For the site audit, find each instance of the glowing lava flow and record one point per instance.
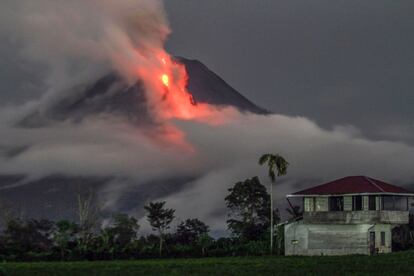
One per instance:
(166, 81)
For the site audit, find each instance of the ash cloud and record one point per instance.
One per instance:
(70, 42)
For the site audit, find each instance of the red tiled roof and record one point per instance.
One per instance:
(353, 185)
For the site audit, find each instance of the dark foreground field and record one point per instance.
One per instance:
(391, 264)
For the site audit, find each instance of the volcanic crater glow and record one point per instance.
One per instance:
(166, 82)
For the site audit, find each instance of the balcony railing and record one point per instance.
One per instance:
(356, 217)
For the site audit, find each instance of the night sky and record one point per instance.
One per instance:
(336, 62)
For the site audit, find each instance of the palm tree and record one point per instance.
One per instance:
(274, 162)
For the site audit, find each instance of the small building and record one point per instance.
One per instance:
(351, 215)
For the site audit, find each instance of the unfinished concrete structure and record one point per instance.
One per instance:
(352, 215)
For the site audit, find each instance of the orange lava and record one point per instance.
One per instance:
(166, 83)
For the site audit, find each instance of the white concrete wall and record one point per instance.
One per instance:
(365, 203)
(324, 239)
(357, 217)
(347, 203)
(377, 203)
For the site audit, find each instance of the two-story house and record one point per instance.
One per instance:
(351, 215)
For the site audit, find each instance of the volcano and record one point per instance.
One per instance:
(54, 196)
(111, 94)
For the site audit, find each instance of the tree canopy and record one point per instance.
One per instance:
(159, 218)
(248, 202)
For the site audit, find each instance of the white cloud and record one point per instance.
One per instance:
(224, 154)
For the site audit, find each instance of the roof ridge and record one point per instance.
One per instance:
(373, 183)
(354, 185)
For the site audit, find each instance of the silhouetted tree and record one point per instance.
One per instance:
(64, 234)
(402, 237)
(88, 212)
(204, 241)
(274, 162)
(7, 212)
(190, 230)
(248, 202)
(124, 230)
(31, 236)
(106, 243)
(160, 219)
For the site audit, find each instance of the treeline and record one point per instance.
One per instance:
(248, 204)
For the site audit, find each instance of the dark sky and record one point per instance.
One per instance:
(336, 62)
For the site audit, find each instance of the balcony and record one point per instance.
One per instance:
(356, 217)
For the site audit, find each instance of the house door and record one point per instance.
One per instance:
(372, 243)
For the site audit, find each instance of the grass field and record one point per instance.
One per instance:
(390, 264)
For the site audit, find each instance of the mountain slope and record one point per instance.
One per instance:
(111, 94)
(208, 87)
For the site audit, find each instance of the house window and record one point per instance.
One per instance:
(321, 204)
(394, 203)
(357, 203)
(372, 205)
(336, 203)
(309, 203)
(387, 202)
(382, 238)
